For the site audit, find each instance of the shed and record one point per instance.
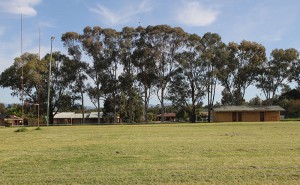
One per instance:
(64, 118)
(168, 117)
(77, 118)
(71, 118)
(246, 113)
(10, 119)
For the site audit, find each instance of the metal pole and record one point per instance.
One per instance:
(49, 83)
(22, 75)
(39, 80)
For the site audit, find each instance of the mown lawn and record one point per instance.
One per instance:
(223, 153)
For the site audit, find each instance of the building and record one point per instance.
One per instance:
(246, 113)
(70, 118)
(11, 120)
(168, 117)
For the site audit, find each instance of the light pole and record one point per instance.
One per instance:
(49, 83)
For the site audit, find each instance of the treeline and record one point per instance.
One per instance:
(127, 68)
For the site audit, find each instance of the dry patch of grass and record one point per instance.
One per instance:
(223, 153)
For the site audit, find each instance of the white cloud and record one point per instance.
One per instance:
(122, 16)
(195, 14)
(25, 7)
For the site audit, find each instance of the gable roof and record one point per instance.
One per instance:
(12, 117)
(79, 115)
(248, 108)
(73, 115)
(167, 115)
(64, 115)
(95, 115)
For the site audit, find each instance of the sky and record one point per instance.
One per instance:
(272, 23)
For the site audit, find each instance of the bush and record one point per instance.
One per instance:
(6, 124)
(38, 128)
(23, 129)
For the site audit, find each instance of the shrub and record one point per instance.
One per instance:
(23, 129)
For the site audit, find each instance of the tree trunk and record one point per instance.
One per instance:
(82, 107)
(162, 106)
(114, 93)
(193, 113)
(145, 105)
(98, 110)
(50, 115)
(130, 95)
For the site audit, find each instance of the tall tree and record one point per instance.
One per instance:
(93, 44)
(167, 42)
(62, 97)
(2, 108)
(36, 70)
(144, 61)
(78, 68)
(213, 55)
(276, 71)
(189, 84)
(10, 78)
(127, 48)
(111, 53)
(240, 70)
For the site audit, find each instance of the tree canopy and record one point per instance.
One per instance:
(126, 68)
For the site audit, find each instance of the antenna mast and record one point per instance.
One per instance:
(39, 80)
(22, 75)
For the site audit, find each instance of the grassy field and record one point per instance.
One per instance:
(223, 153)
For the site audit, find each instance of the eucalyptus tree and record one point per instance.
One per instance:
(11, 77)
(93, 44)
(189, 83)
(110, 83)
(34, 72)
(213, 55)
(166, 43)
(127, 78)
(276, 71)
(144, 61)
(240, 69)
(77, 67)
(62, 97)
(295, 73)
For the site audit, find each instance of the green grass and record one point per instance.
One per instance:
(223, 153)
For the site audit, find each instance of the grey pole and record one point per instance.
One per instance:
(49, 83)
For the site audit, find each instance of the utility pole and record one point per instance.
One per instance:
(22, 75)
(49, 83)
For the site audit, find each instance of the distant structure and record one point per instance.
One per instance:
(246, 114)
(72, 118)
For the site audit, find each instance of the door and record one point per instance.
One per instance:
(234, 118)
(262, 116)
(240, 116)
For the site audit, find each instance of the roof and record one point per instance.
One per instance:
(73, 115)
(247, 109)
(95, 115)
(12, 117)
(64, 115)
(79, 115)
(167, 115)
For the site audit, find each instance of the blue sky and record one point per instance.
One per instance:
(273, 23)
